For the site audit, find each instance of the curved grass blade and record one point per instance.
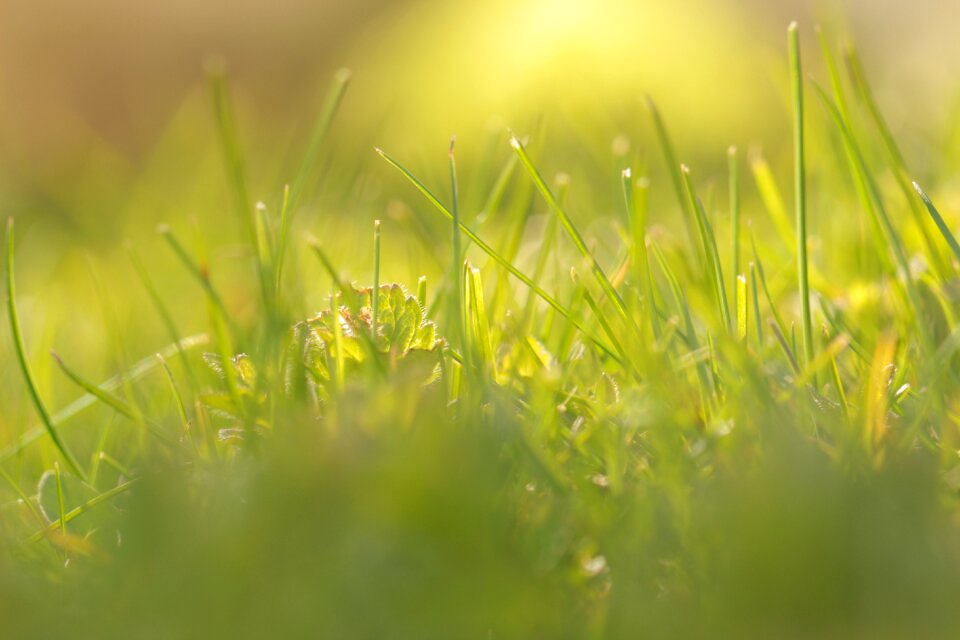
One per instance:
(109, 399)
(24, 365)
(135, 372)
(938, 219)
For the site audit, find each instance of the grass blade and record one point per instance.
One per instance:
(574, 234)
(25, 366)
(78, 511)
(938, 219)
(673, 166)
(800, 191)
(135, 372)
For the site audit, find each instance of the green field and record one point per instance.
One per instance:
(583, 377)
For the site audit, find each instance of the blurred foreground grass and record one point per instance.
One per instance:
(617, 405)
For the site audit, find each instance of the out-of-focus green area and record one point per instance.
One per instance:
(555, 494)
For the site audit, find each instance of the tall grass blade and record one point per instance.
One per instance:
(938, 219)
(25, 371)
(574, 234)
(800, 190)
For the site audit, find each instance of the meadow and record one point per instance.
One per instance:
(560, 382)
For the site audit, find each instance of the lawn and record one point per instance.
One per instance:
(538, 385)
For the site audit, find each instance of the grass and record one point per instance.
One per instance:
(649, 450)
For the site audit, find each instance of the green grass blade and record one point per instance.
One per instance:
(105, 397)
(111, 400)
(321, 126)
(456, 268)
(673, 166)
(135, 372)
(60, 501)
(166, 318)
(758, 322)
(733, 187)
(25, 371)
(78, 511)
(199, 271)
(800, 191)
(708, 245)
(230, 146)
(894, 158)
(375, 294)
(893, 241)
(574, 234)
(938, 219)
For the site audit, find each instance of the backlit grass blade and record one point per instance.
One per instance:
(318, 134)
(893, 241)
(456, 267)
(480, 321)
(177, 396)
(635, 196)
(800, 190)
(758, 322)
(742, 316)
(111, 400)
(708, 245)
(483, 246)
(766, 290)
(199, 271)
(771, 198)
(25, 370)
(78, 511)
(166, 318)
(375, 293)
(135, 372)
(571, 229)
(673, 167)
(230, 146)
(785, 347)
(894, 158)
(733, 187)
(61, 504)
(938, 219)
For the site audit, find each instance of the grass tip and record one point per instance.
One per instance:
(732, 150)
(343, 75)
(793, 27)
(163, 229)
(626, 173)
(260, 207)
(685, 169)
